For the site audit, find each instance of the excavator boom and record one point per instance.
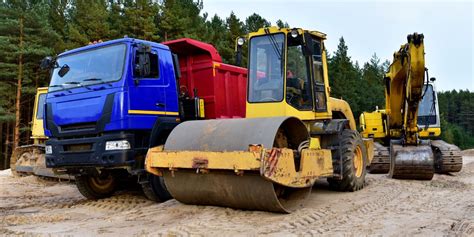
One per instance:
(410, 157)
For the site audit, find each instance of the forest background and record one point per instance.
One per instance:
(33, 29)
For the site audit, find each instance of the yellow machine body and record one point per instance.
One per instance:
(373, 124)
(30, 159)
(37, 130)
(271, 159)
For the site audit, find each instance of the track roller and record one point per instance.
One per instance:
(381, 162)
(448, 157)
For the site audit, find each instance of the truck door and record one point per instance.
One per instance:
(147, 92)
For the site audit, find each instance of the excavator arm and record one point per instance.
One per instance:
(410, 157)
(404, 89)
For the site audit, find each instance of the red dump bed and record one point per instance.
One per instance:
(222, 86)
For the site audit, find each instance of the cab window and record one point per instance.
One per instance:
(152, 59)
(298, 83)
(40, 109)
(318, 75)
(266, 68)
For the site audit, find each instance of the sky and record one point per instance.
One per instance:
(379, 27)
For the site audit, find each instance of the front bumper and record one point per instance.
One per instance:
(90, 152)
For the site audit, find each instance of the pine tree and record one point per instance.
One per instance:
(181, 18)
(88, 22)
(26, 37)
(138, 19)
(116, 19)
(255, 22)
(373, 91)
(235, 29)
(282, 24)
(217, 31)
(58, 20)
(345, 78)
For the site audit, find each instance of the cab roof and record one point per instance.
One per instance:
(111, 42)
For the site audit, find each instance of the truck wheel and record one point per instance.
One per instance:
(354, 158)
(155, 189)
(96, 187)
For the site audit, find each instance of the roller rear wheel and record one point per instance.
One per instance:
(354, 163)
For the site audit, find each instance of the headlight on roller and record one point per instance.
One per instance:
(117, 145)
(48, 150)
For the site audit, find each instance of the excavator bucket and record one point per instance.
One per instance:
(240, 163)
(411, 162)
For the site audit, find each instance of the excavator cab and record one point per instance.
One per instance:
(428, 113)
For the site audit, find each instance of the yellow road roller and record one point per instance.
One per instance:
(294, 133)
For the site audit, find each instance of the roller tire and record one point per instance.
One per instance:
(155, 189)
(88, 187)
(349, 141)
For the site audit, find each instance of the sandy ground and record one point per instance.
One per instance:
(441, 207)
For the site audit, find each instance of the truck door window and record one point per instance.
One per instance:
(154, 64)
(318, 87)
(298, 85)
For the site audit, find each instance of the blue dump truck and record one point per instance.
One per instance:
(109, 102)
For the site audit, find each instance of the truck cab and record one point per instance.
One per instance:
(101, 96)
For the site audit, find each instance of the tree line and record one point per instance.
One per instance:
(33, 29)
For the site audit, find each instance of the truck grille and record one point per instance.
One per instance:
(78, 147)
(78, 126)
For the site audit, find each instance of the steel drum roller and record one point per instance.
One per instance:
(225, 188)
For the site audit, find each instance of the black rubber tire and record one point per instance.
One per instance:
(89, 188)
(155, 189)
(349, 140)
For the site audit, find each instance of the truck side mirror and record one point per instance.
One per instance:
(47, 63)
(64, 70)
(142, 62)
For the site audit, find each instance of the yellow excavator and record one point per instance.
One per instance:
(410, 118)
(294, 133)
(30, 159)
(447, 157)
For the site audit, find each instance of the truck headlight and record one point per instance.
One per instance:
(48, 150)
(117, 145)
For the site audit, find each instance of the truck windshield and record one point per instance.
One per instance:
(95, 66)
(427, 108)
(266, 68)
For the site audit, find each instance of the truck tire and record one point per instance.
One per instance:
(96, 187)
(354, 162)
(155, 189)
